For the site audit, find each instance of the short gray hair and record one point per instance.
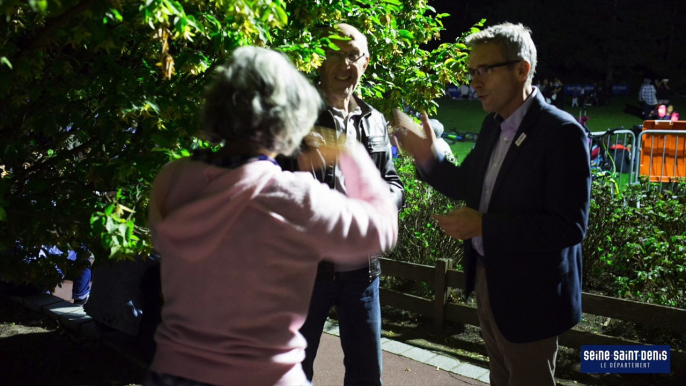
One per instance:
(258, 96)
(348, 31)
(515, 40)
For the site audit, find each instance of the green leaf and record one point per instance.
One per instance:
(405, 34)
(41, 5)
(3, 215)
(153, 106)
(110, 225)
(114, 250)
(338, 37)
(6, 62)
(394, 2)
(174, 6)
(122, 229)
(281, 15)
(116, 15)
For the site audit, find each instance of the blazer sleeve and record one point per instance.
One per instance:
(459, 182)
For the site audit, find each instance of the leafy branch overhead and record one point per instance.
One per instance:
(95, 96)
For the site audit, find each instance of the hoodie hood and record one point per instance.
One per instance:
(191, 206)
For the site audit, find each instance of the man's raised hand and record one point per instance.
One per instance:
(417, 142)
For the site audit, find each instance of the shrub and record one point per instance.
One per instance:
(635, 246)
(420, 241)
(636, 243)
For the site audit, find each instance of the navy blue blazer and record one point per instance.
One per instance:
(536, 220)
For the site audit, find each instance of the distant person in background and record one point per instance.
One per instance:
(546, 91)
(648, 98)
(464, 92)
(81, 279)
(240, 239)
(442, 146)
(557, 96)
(671, 114)
(601, 91)
(663, 91)
(592, 96)
(654, 113)
(575, 96)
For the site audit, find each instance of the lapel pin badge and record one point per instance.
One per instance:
(521, 139)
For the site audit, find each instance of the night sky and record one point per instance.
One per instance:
(619, 41)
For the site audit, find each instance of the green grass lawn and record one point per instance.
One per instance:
(468, 116)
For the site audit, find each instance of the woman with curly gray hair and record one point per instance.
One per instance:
(240, 239)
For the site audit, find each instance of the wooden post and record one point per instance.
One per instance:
(440, 292)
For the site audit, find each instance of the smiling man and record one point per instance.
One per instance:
(526, 185)
(352, 289)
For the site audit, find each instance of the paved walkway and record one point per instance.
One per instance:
(403, 364)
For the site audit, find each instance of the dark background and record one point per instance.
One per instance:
(586, 41)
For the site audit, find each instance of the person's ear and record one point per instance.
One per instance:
(366, 62)
(523, 70)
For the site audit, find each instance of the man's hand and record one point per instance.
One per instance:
(419, 147)
(462, 224)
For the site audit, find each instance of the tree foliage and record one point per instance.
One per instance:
(95, 96)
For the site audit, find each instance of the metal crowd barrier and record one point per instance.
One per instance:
(662, 157)
(618, 154)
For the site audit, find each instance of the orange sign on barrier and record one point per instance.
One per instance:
(663, 156)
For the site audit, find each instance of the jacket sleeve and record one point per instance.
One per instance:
(453, 181)
(447, 178)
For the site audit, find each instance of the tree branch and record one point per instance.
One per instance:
(53, 25)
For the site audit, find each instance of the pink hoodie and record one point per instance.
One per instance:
(240, 249)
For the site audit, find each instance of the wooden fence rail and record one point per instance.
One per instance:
(442, 277)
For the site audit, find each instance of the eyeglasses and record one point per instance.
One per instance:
(351, 57)
(486, 70)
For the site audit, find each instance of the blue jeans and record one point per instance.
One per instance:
(81, 287)
(359, 315)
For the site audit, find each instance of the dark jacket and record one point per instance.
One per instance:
(536, 221)
(373, 134)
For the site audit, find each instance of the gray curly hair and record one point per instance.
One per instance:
(515, 40)
(258, 96)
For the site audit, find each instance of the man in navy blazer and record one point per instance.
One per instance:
(526, 185)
